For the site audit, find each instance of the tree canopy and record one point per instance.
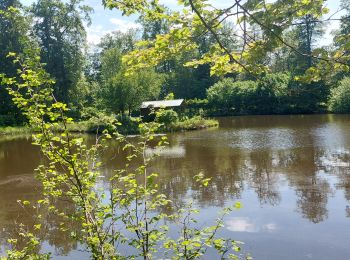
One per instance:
(184, 51)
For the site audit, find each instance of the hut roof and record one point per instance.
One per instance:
(162, 103)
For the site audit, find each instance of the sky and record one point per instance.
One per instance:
(105, 21)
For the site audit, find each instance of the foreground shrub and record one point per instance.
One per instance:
(340, 97)
(128, 212)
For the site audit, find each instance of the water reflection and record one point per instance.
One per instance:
(284, 164)
(18, 159)
(239, 224)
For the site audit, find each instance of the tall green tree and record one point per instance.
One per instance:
(14, 37)
(343, 35)
(345, 21)
(198, 18)
(308, 31)
(120, 93)
(59, 25)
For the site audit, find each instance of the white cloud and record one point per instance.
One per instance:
(173, 4)
(270, 227)
(239, 224)
(93, 39)
(95, 33)
(123, 25)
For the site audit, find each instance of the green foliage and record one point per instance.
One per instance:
(276, 93)
(60, 28)
(170, 96)
(340, 97)
(14, 37)
(196, 103)
(13, 131)
(307, 97)
(193, 123)
(166, 116)
(83, 98)
(270, 20)
(229, 96)
(307, 32)
(120, 92)
(197, 107)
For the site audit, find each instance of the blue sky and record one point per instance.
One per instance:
(105, 21)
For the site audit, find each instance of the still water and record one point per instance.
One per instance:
(291, 173)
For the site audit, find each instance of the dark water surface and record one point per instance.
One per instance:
(291, 173)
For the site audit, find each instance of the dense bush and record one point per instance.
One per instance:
(250, 97)
(193, 123)
(195, 107)
(7, 120)
(166, 117)
(273, 90)
(228, 96)
(307, 97)
(196, 103)
(340, 97)
(275, 93)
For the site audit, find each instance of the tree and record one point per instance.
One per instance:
(120, 92)
(193, 82)
(230, 97)
(15, 37)
(345, 20)
(198, 18)
(307, 31)
(153, 27)
(60, 28)
(125, 42)
(340, 97)
(342, 38)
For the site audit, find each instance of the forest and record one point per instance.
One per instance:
(92, 79)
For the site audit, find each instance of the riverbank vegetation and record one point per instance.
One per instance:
(91, 79)
(127, 125)
(269, 60)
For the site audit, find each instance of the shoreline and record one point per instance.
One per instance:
(85, 127)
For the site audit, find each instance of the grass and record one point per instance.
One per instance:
(194, 123)
(15, 130)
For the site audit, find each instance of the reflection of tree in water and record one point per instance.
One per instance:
(57, 238)
(311, 189)
(50, 232)
(312, 199)
(338, 163)
(262, 178)
(15, 185)
(176, 179)
(230, 169)
(17, 156)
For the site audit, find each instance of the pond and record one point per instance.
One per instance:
(291, 173)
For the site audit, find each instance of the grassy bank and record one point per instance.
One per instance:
(194, 123)
(15, 130)
(128, 127)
